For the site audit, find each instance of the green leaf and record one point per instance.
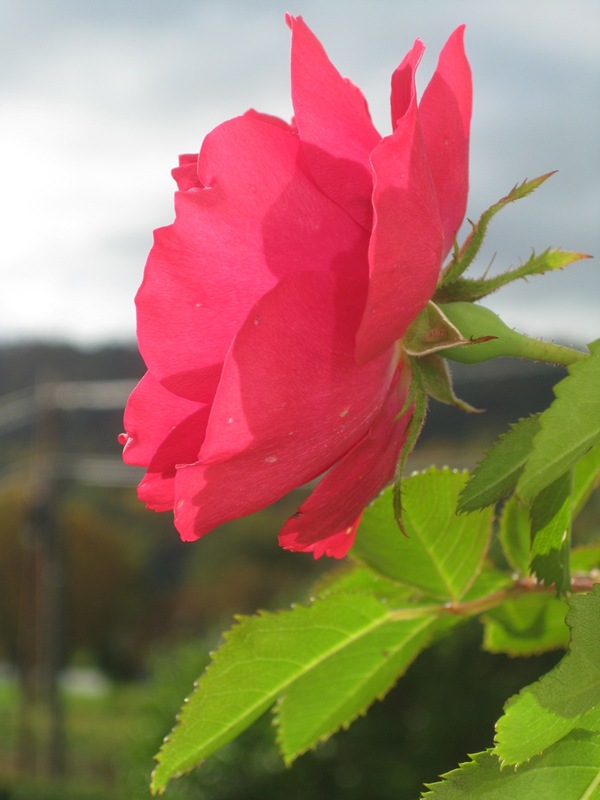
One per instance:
(441, 554)
(585, 559)
(264, 656)
(488, 582)
(514, 533)
(332, 694)
(355, 578)
(586, 478)
(570, 770)
(470, 289)
(497, 474)
(534, 623)
(551, 534)
(463, 258)
(568, 428)
(566, 698)
(526, 626)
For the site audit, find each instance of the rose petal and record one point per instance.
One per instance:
(258, 218)
(445, 115)
(334, 124)
(181, 446)
(403, 83)
(406, 245)
(270, 119)
(334, 546)
(151, 414)
(186, 173)
(163, 430)
(291, 401)
(326, 522)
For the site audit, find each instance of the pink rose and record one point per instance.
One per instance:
(272, 310)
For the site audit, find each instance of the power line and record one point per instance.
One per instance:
(20, 409)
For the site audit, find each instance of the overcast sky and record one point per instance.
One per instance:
(98, 97)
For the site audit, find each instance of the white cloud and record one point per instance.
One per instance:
(99, 98)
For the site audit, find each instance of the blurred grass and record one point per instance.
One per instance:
(100, 731)
(442, 709)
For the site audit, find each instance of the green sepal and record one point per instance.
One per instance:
(462, 258)
(430, 332)
(417, 398)
(470, 289)
(438, 382)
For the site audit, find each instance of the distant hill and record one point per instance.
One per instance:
(22, 365)
(507, 389)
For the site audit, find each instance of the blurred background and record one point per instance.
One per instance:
(106, 618)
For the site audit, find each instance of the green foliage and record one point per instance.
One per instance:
(527, 625)
(441, 553)
(568, 428)
(437, 549)
(320, 702)
(320, 666)
(570, 770)
(497, 474)
(566, 698)
(551, 534)
(586, 477)
(438, 383)
(514, 534)
(323, 664)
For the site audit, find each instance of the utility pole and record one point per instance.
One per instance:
(42, 636)
(41, 628)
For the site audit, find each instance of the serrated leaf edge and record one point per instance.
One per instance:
(259, 707)
(502, 438)
(523, 489)
(289, 759)
(569, 621)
